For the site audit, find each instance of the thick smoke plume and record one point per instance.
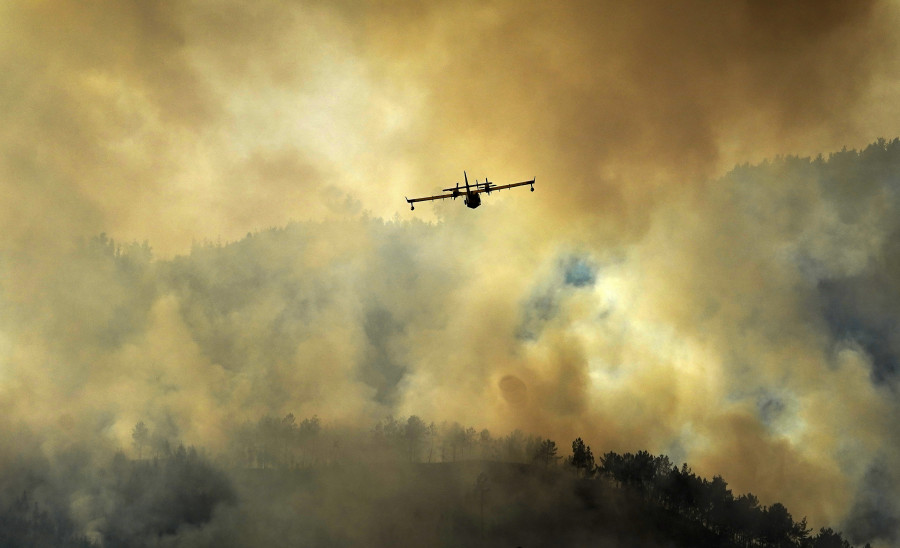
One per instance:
(648, 295)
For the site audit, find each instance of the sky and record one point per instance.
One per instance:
(647, 295)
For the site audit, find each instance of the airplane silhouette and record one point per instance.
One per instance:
(471, 193)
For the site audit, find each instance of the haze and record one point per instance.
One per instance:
(687, 278)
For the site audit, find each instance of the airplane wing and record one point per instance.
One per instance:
(502, 187)
(441, 197)
(428, 198)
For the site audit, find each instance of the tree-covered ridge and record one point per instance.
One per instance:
(260, 316)
(24, 522)
(466, 485)
(494, 489)
(704, 510)
(734, 520)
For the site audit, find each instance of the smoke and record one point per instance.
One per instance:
(648, 295)
(227, 119)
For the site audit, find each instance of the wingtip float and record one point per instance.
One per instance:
(471, 193)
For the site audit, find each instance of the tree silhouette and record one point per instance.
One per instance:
(457, 439)
(469, 439)
(309, 428)
(827, 538)
(582, 458)
(432, 434)
(746, 516)
(681, 508)
(139, 437)
(25, 522)
(513, 446)
(151, 501)
(414, 433)
(160, 445)
(485, 442)
(546, 452)
(778, 527)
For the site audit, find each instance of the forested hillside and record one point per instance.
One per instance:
(271, 391)
(404, 482)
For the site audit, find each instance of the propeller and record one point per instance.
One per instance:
(455, 191)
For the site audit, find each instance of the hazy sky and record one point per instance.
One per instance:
(636, 298)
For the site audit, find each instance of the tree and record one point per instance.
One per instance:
(469, 439)
(582, 458)
(546, 452)
(746, 517)
(827, 538)
(390, 437)
(779, 529)
(715, 502)
(414, 433)
(612, 465)
(309, 427)
(639, 470)
(269, 440)
(160, 445)
(485, 442)
(139, 437)
(513, 446)
(457, 439)
(432, 434)
(306, 435)
(287, 438)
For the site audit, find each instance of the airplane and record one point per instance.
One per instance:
(471, 193)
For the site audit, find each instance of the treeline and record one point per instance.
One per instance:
(415, 441)
(279, 443)
(126, 503)
(498, 488)
(287, 442)
(25, 522)
(151, 499)
(737, 520)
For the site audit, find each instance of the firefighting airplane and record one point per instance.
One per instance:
(471, 193)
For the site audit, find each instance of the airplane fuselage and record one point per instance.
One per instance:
(472, 200)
